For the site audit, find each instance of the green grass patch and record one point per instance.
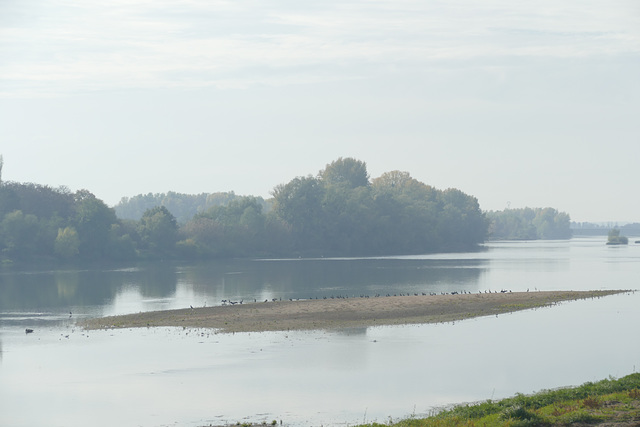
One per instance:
(610, 400)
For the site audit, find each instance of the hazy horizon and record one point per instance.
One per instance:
(517, 104)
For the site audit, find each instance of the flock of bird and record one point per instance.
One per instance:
(230, 302)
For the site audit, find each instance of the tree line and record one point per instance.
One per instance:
(529, 224)
(340, 211)
(182, 206)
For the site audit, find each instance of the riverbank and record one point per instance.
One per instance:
(608, 402)
(340, 313)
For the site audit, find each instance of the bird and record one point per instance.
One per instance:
(28, 331)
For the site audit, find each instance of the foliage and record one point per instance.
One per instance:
(349, 173)
(158, 231)
(614, 238)
(93, 221)
(39, 200)
(339, 212)
(529, 224)
(67, 243)
(582, 404)
(39, 221)
(235, 230)
(19, 233)
(183, 206)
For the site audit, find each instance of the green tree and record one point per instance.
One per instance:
(158, 231)
(614, 238)
(237, 229)
(551, 224)
(67, 244)
(339, 213)
(19, 235)
(347, 172)
(201, 237)
(409, 211)
(183, 206)
(121, 245)
(512, 224)
(529, 224)
(9, 200)
(93, 223)
(346, 220)
(299, 204)
(462, 222)
(43, 201)
(392, 182)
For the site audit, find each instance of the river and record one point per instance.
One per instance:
(61, 375)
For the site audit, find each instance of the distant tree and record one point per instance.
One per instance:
(614, 238)
(237, 229)
(401, 185)
(1, 164)
(9, 200)
(512, 224)
(41, 200)
(93, 223)
(632, 228)
(462, 221)
(393, 181)
(347, 172)
(67, 243)
(133, 208)
(299, 204)
(19, 235)
(182, 206)
(409, 211)
(158, 231)
(551, 224)
(337, 214)
(201, 237)
(529, 224)
(346, 220)
(121, 245)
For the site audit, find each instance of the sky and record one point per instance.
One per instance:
(517, 103)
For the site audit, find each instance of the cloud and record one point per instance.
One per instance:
(57, 46)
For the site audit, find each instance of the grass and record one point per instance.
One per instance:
(614, 401)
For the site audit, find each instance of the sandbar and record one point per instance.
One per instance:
(341, 313)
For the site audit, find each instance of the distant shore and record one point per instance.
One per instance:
(344, 312)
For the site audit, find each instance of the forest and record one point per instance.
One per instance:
(529, 224)
(340, 211)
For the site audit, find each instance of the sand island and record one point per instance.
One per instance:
(339, 313)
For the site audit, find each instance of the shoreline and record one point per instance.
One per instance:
(344, 312)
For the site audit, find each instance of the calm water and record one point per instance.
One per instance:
(61, 375)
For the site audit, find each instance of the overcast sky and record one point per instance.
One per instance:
(516, 103)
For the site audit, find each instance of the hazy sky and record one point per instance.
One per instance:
(516, 103)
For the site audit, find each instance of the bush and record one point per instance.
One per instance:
(522, 416)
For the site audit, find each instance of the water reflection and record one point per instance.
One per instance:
(166, 285)
(545, 265)
(324, 278)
